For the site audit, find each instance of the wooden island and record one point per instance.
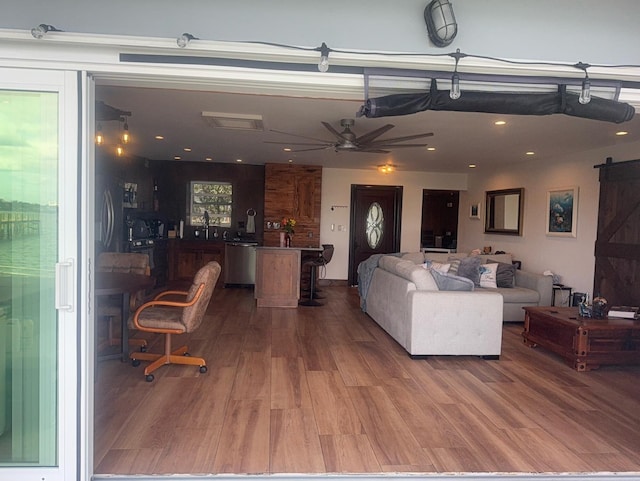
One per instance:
(277, 276)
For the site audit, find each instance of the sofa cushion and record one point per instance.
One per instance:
(488, 275)
(415, 273)
(520, 295)
(492, 258)
(468, 267)
(450, 282)
(506, 275)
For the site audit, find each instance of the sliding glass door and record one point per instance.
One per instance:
(38, 272)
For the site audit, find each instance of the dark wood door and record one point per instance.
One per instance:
(617, 269)
(375, 223)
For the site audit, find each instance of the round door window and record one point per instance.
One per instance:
(375, 225)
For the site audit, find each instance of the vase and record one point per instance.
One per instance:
(287, 240)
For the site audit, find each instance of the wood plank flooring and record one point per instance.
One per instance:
(325, 390)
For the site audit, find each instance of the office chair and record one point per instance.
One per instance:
(171, 317)
(110, 308)
(320, 261)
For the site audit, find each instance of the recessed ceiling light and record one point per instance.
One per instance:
(287, 149)
(159, 137)
(238, 160)
(531, 152)
(208, 158)
(500, 122)
(472, 166)
(431, 148)
(187, 149)
(622, 132)
(177, 157)
(291, 161)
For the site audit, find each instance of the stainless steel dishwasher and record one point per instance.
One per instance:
(240, 263)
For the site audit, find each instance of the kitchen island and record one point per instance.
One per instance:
(278, 275)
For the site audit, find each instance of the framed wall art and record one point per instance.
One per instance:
(474, 211)
(562, 212)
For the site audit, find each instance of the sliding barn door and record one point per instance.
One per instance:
(617, 270)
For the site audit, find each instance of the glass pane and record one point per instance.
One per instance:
(28, 253)
(375, 225)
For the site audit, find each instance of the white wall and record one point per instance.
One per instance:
(571, 258)
(336, 193)
(592, 31)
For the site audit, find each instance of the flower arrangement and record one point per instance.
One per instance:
(288, 223)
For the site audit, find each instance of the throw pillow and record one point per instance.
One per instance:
(449, 282)
(438, 266)
(470, 268)
(506, 274)
(488, 275)
(454, 264)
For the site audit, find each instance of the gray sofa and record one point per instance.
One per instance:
(402, 296)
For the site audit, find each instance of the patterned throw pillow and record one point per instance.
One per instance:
(488, 275)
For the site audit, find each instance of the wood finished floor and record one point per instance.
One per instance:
(325, 390)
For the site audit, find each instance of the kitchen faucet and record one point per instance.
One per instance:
(206, 225)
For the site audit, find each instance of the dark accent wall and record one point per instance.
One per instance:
(172, 179)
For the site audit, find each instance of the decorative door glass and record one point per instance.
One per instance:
(375, 225)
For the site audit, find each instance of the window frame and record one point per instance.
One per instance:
(195, 219)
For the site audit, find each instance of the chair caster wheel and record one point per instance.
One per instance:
(149, 378)
(203, 369)
(135, 362)
(143, 348)
(186, 354)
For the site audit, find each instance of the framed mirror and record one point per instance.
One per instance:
(504, 211)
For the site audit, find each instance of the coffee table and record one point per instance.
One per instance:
(584, 343)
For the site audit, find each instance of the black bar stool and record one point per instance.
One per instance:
(313, 264)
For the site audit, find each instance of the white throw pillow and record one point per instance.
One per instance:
(488, 275)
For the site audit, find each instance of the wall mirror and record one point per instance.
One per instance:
(504, 211)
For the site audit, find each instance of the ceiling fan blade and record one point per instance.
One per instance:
(393, 146)
(314, 148)
(328, 144)
(369, 136)
(401, 139)
(372, 151)
(301, 136)
(330, 128)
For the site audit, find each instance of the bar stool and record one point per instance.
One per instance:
(313, 264)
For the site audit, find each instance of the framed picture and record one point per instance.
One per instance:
(562, 211)
(474, 211)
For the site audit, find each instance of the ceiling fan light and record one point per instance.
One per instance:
(441, 22)
(386, 168)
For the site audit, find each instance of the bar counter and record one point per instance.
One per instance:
(278, 275)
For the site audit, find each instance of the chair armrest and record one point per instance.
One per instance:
(157, 302)
(538, 282)
(167, 293)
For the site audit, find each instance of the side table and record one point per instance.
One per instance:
(561, 289)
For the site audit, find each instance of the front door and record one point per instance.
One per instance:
(375, 223)
(38, 272)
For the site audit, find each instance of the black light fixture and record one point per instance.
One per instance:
(585, 92)
(126, 137)
(454, 93)
(184, 39)
(441, 22)
(42, 29)
(323, 64)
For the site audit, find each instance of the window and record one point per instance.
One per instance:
(215, 198)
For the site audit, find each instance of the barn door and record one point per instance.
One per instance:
(617, 270)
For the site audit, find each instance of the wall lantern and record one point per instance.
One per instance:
(441, 22)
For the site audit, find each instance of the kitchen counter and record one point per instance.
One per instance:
(277, 276)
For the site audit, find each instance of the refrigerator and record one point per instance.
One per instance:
(109, 214)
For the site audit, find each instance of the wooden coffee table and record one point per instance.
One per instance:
(584, 343)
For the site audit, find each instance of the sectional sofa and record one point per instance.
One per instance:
(430, 311)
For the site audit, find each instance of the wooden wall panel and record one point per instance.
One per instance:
(293, 191)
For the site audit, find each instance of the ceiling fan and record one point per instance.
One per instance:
(348, 141)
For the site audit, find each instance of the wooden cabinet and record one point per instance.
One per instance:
(293, 191)
(187, 256)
